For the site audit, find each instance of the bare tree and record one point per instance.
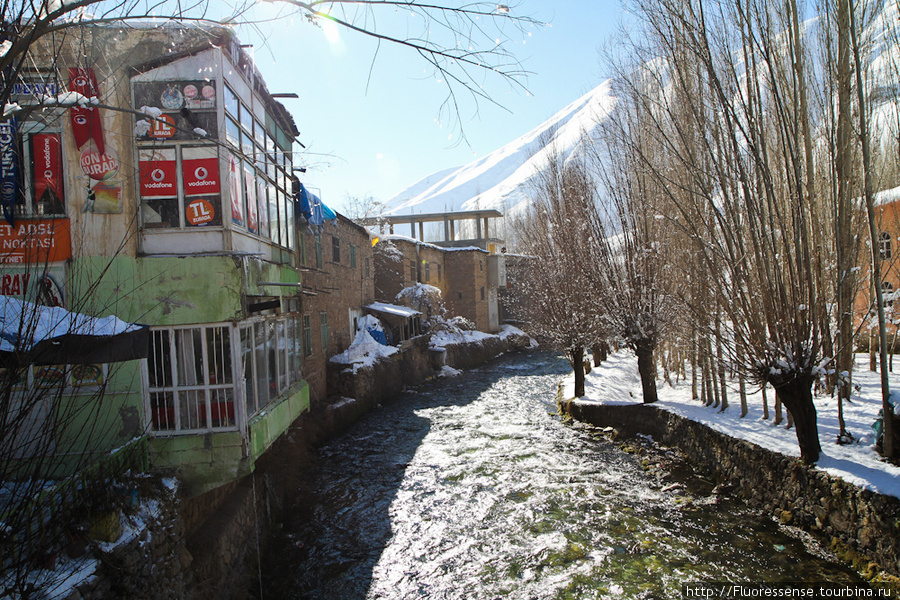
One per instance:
(42, 394)
(560, 287)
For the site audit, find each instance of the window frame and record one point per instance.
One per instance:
(885, 245)
(177, 389)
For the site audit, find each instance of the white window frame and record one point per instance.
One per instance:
(206, 387)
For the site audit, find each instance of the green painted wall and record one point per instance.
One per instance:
(90, 423)
(207, 461)
(268, 426)
(204, 462)
(176, 290)
(161, 290)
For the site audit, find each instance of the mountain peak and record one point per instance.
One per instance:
(502, 179)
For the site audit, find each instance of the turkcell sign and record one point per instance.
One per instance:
(200, 176)
(8, 167)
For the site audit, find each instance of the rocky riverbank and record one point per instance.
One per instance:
(861, 527)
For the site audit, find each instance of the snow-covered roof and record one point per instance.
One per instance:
(34, 332)
(393, 309)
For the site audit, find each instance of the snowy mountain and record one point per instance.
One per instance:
(500, 179)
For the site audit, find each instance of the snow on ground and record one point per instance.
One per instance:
(363, 352)
(446, 337)
(616, 381)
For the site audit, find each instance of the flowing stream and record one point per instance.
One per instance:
(471, 487)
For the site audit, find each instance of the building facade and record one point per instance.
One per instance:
(163, 196)
(338, 280)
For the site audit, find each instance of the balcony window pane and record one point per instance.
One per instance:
(247, 365)
(159, 362)
(192, 405)
(281, 353)
(162, 410)
(189, 357)
(271, 351)
(218, 348)
(262, 366)
(222, 407)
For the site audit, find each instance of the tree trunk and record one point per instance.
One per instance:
(600, 353)
(576, 357)
(796, 395)
(647, 371)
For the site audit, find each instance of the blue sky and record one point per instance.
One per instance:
(371, 118)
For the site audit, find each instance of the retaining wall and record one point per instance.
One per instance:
(148, 562)
(796, 493)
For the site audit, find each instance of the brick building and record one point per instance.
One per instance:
(338, 280)
(468, 277)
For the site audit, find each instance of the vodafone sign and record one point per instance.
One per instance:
(200, 176)
(158, 178)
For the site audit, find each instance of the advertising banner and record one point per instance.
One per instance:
(9, 168)
(85, 121)
(45, 152)
(200, 176)
(43, 241)
(158, 178)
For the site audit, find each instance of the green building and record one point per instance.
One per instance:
(168, 202)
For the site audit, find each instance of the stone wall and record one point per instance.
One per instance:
(355, 393)
(864, 521)
(147, 562)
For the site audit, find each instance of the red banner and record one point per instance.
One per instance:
(200, 176)
(86, 124)
(158, 178)
(45, 150)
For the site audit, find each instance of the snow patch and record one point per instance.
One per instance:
(616, 381)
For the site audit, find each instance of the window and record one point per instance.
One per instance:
(301, 243)
(368, 272)
(335, 249)
(412, 270)
(270, 356)
(884, 245)
(439, 272)
(319, 251)
(482, 293)
(323, 330)
(887, 292)
(180, 182)
(307, 335)
(191, 378)
(37, 167)
(352, 256)
(191, 200)
(427, 272)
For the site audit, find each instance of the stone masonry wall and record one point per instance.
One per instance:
(148, 561)
(867, 522)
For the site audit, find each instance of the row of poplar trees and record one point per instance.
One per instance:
(720, 213)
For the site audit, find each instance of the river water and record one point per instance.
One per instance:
(471, 487)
